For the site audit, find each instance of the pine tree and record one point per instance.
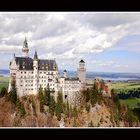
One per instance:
(20, 107)
(13, 93)
(47, 96)
(52, 105)
(3, 92)
(41, 99)
(59, 106)
(93, 97)
(67, 109)
(75, 112)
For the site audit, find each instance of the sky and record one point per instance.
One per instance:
(107, 42)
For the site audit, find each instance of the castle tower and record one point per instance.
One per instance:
(25, 49)
(65, 73)
(82, 72)
(35, 68)
(12, 72)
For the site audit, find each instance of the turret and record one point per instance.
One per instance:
(35, 61)
(65, 73)
(25, 49)
(35, 68)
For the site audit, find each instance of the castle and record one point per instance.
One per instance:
(32, 73)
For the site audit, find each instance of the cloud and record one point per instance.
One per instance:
(65, 35)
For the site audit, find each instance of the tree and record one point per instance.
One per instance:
(13, 93)
(93, 97)
(87, 107)
(68, 109)
(52, 105)
(75, 112)
(41, 99)
(20, 107)
(47, 96)
(3, 92)
(59, 106)
(90, 124)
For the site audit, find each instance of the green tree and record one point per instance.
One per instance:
(59, 106)
(47, 96)
(68, 109)
(87, 107)
(13, 93)
(52, 105)
(20, 107)
(75, 112)
(93, 97)
(132, 118)
(3, 92)
(41, 99)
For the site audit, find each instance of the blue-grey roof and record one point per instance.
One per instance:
(26, 63)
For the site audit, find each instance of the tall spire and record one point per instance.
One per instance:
(25, 43)
(25, 48)
(35, 55)
(14, 55)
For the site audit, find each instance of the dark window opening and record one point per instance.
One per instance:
(65, 96)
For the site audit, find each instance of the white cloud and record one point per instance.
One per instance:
(65, 36)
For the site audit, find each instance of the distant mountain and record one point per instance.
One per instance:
(92, 75)
(4, 72)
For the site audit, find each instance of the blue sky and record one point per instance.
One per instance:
(106, 45)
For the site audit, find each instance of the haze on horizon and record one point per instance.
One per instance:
(108, 42)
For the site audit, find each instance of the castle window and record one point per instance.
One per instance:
(21, 71)
(44, 72)
(25, 72)
(65, 96)
(21, 76)
(32, 72)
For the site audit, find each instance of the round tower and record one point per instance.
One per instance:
(65, 73)
(25, 49)
(82, 72)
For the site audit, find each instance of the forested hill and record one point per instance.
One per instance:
(93, 110)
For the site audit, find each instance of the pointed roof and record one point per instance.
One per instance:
(14, 55)
(25, 44)
(65, 70)
(35, 55)
(82, 61)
